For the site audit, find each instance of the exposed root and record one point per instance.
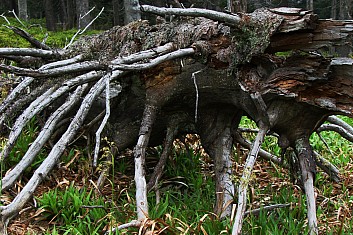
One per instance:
(79, 67)
(42, 102)
(30, 52)
(266, 208)
(327, 167)
(336, 120)
(262, 153)
(244, 181)
(223, 174)
(15, 93)
(307, 166)
(170, 56)
(8, 211)
(47, 131)
(133, 223)
(148, 119)
(340, 129)
(167, 149)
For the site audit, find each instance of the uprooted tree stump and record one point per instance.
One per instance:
(193, 75)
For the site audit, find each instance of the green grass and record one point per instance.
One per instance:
(187, 194)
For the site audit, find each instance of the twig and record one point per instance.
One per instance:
(5, 18)
(18, 19)
(325, 143)
(197, 93)
(79, 31)
(91, 22)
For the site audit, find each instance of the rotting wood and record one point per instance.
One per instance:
(237, 67)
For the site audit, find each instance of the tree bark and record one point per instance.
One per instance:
(118, 6)
(132, 11)
(334, 9)
(50, 15)
(22, 10)
(83, 15)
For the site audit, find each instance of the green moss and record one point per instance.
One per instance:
(37, 29)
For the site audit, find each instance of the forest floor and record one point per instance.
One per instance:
(270, 185)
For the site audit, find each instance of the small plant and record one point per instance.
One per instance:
(75, 210)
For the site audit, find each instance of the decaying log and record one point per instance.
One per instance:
(193, 75)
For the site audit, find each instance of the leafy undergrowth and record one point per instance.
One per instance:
(69, 202)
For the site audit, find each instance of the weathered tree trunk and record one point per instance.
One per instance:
(194, 75)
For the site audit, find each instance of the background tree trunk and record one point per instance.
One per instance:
(132, 11)
(334, 9)
(83, 17)
(118, 6)
(310, 5)
(22, 10)
(50, 15)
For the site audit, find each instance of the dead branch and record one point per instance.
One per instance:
(40, 103)
(265, 208)
(15, 93)
(47, 54)
(195, 12)
(34, 42)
